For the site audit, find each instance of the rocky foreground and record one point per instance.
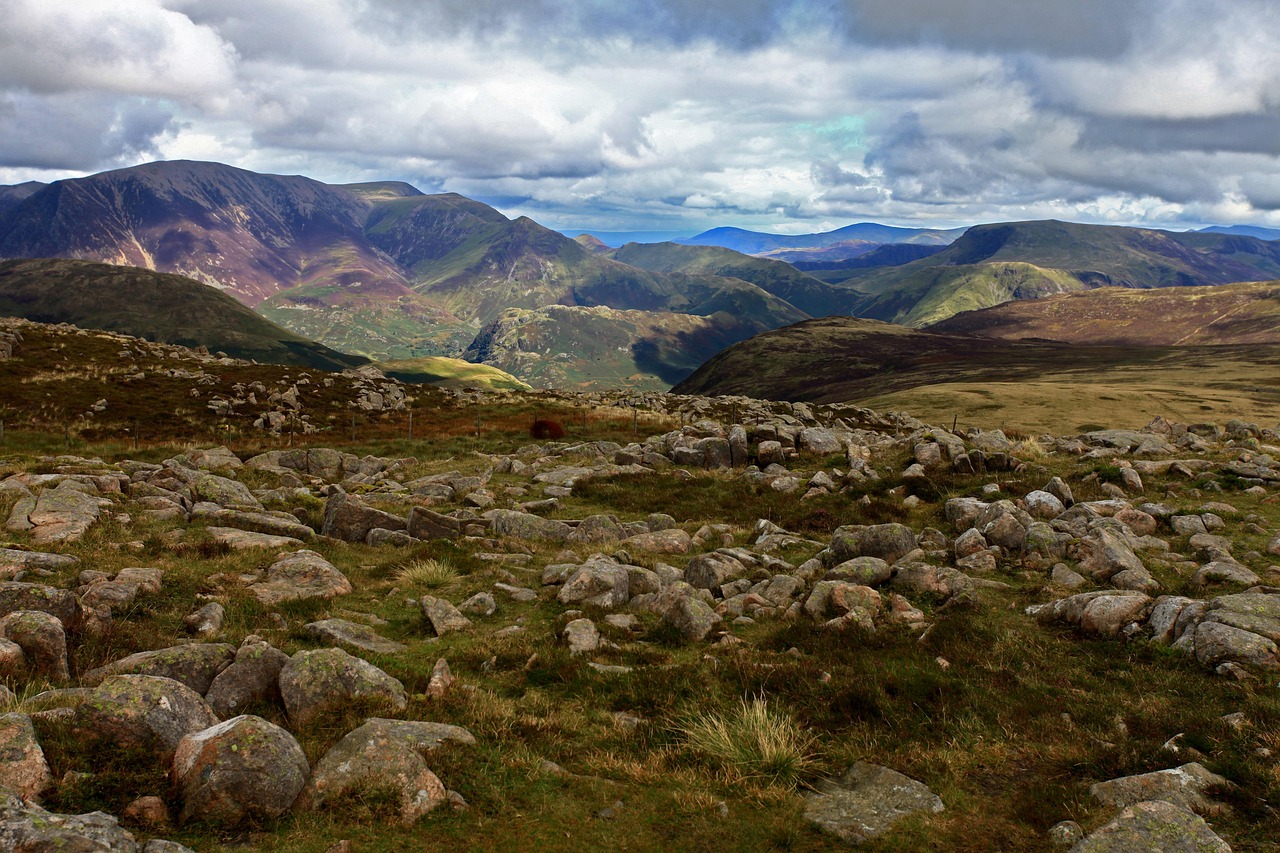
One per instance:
(1157, 553)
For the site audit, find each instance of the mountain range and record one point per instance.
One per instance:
(383, 271)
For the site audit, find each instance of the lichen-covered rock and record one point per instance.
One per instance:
(681, 611)
(354, 635)
(27, 828)
(350, 519)
(42, 639)
(61, 603)
(442, 616)
(522, 525)
(889, 542)
(1154, 827)
(671, 541)
(300, 575)
(384, 754)
(252, 677)
(23, 768)
(243, 769)
(711, 571)
(1103, 613)
(603, 584)
(144, 711)
(863, 571)
(1186, 787)
(314, 683)
(196, 665)
(866, 802)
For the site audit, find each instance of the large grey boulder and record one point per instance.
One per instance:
(243, 769)
(1154, 827)
(42, 639)
(681, 611)
(61, 603)
(196, 665)
(889, 542)
(522, 525)
(222, 491)
(1103, 613)
(252, 677)
(864, 571)
(866, 802)
(300, 575)
(350, 519)
(600, 583)
(711, 571)
(144, 711)
(385, 754)
(64, 514)
(315, 683)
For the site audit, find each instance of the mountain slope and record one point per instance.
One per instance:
(375, 268)
(562, 346)
(990, 264)
(155, 306)
(1246, 313)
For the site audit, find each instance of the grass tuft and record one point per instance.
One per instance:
(754, 741)
(426, 572)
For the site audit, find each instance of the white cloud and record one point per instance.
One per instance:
(623, 114)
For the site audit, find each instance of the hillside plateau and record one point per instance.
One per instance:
(1246, 313)
(260, 607)
(1031, 385)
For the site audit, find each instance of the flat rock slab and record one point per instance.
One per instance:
(35, 559)
(866, 802)
(342, 632)
(239, 540)
(1186, 786)
(1155, 827)
(300, 575)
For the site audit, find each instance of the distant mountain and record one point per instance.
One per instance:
(885, 255)
(615, 239)
(991, 264)
(757, 242)
(1112, 316)
(377, 268)
(1243, 231)
(816, 298)
(154, 306)
(11, 195)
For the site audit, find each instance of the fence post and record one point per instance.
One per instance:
(411, 424)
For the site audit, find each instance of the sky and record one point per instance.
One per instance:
(776, 115)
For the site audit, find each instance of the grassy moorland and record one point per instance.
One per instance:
(702, 746)
(1034, 386)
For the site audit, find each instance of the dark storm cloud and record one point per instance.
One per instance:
(78, 132)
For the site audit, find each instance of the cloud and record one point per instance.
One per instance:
(625, 113)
